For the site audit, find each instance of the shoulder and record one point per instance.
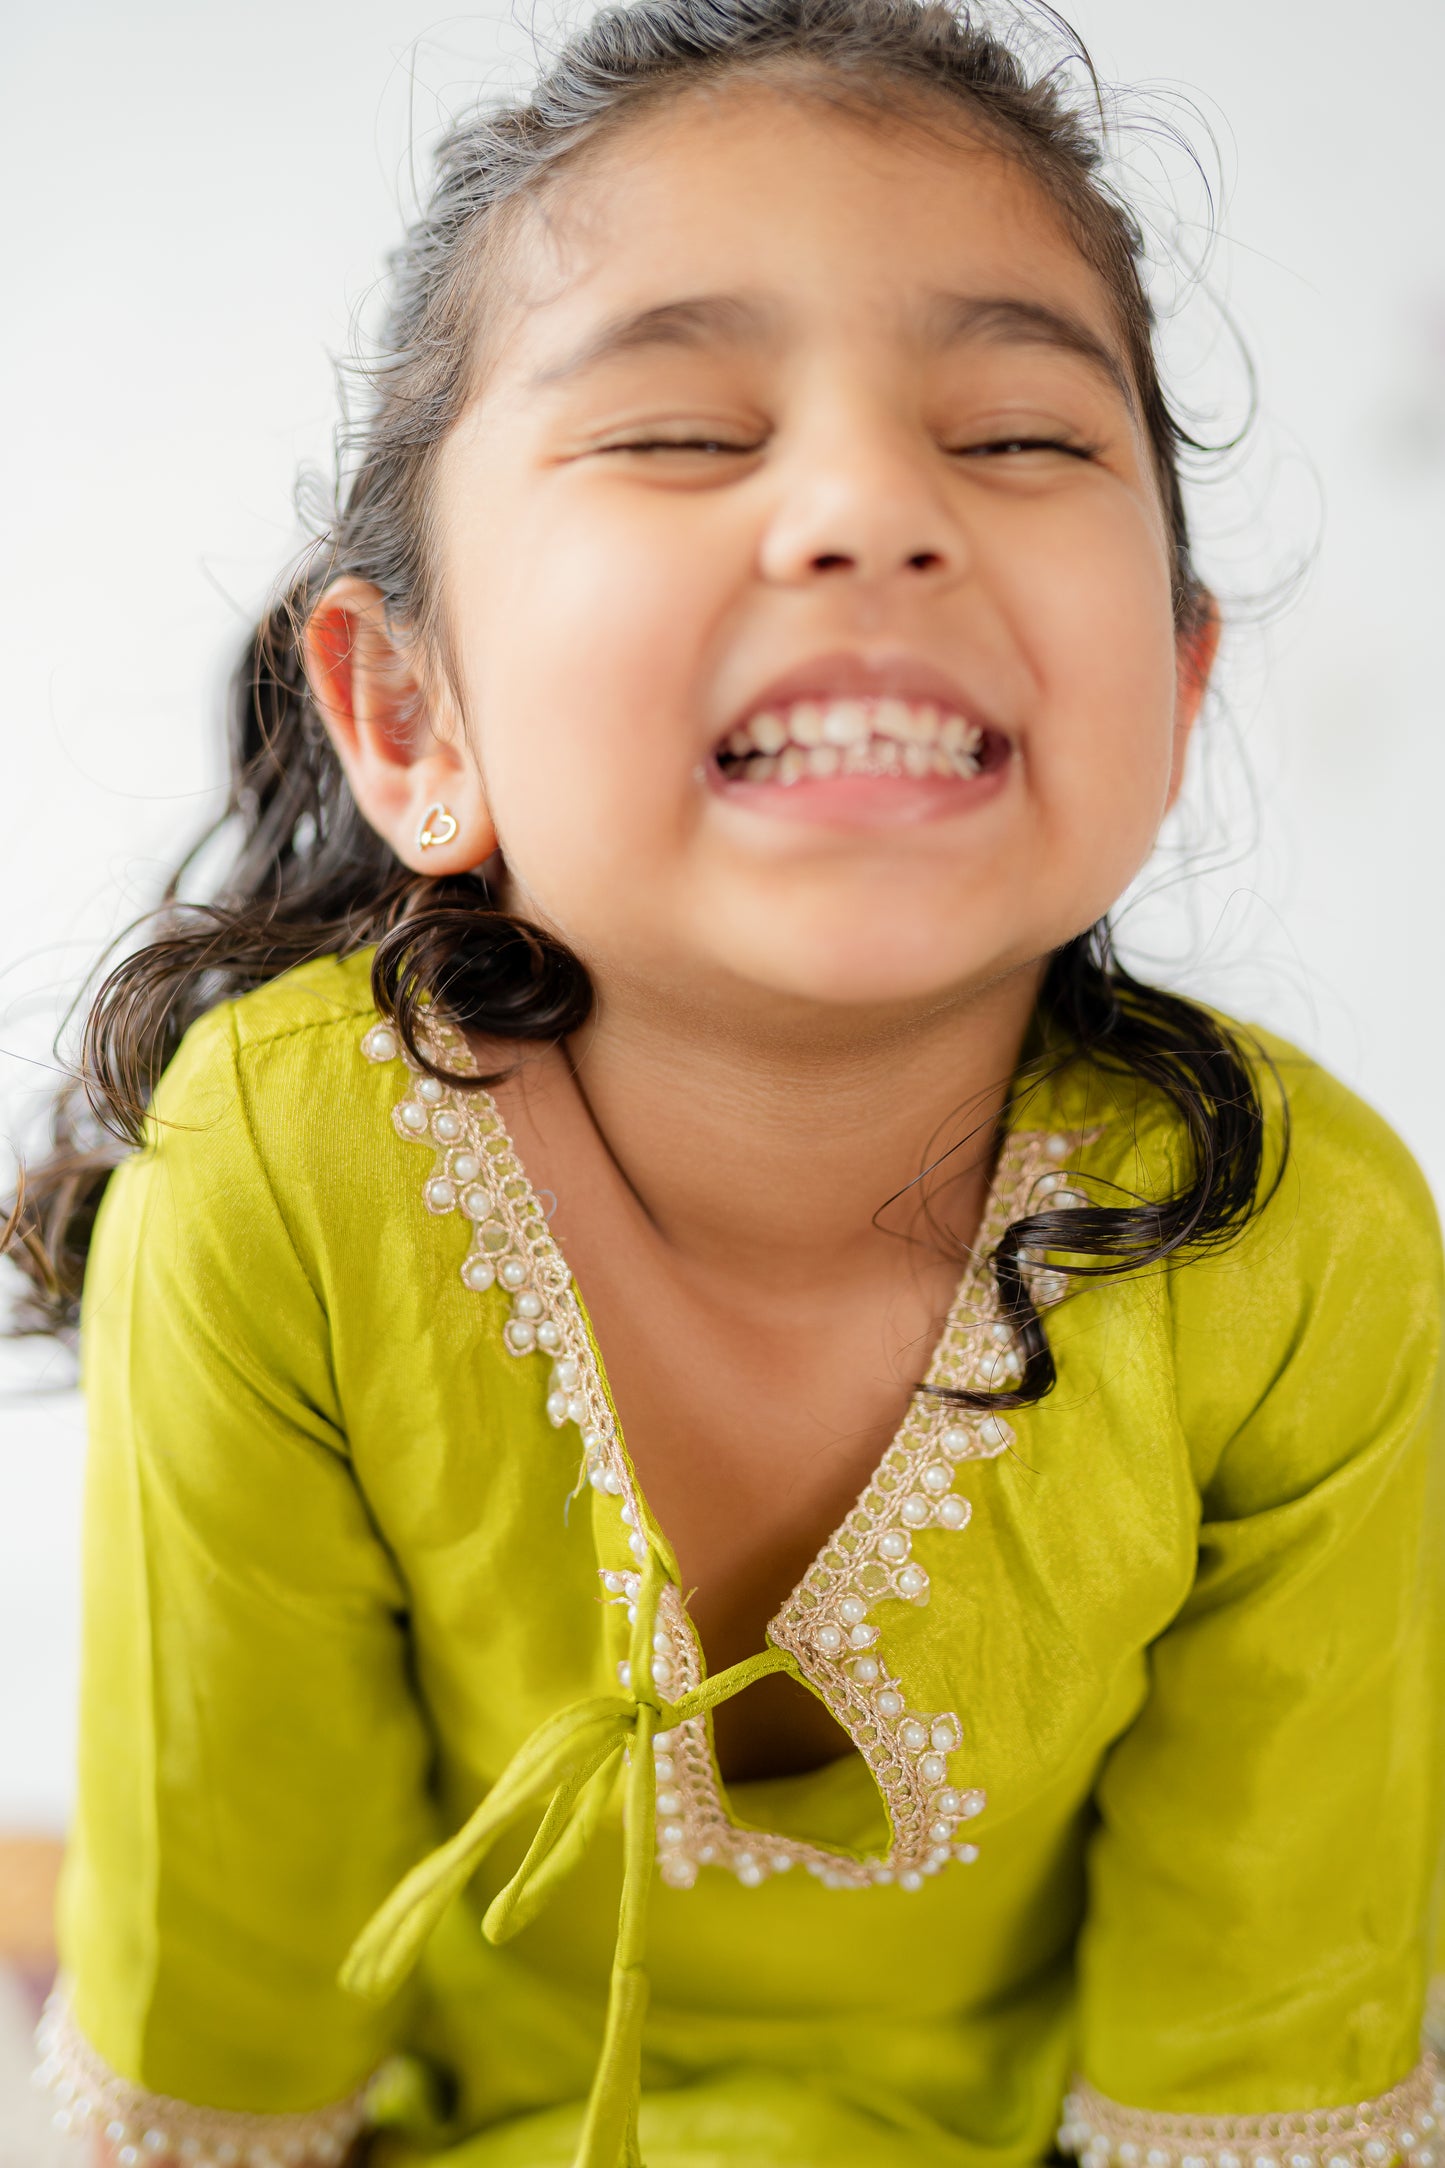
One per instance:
(262, 1099)
(269, 1062)
(1349, 1188)
(1320, 1323)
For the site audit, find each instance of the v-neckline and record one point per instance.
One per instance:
(866, 1561)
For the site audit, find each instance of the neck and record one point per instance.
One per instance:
(770, 1150)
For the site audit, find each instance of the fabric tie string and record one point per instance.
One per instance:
(568, 1761)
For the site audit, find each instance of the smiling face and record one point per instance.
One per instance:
(803, 569)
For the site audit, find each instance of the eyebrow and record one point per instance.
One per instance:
(697, 322)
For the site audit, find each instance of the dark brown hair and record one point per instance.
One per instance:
(309, 877)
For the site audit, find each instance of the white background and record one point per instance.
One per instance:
(196, 198)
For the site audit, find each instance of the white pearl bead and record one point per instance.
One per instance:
(829, 1639)
(948, 1801)
(549, 1336)
(751, 1875)
(557, 1409)
(671, 1833)
(677, 1870)
(781, 1863)
(663, 1742)
(429, 1089)
(466, 1166)
(910, 1879)
(441, 1194)
(893, 1545)
(971, 1804)
(936, 1478)
(863, 1637)
(1057, 1147)
(851, 1609)
(613, 1583)
(569, 1375)
(889, 1703)
(669, 1803)
(912, 1581)
(628, 1516)
(953, 1512)
(707, 1854)
(865, 1669)
(478, 1273)
(624, 1673)
(527, 1304)
(1049, 1287)
(944, 1734)
(966, 1853)
(914, 1735)
(519, 1335)
(933, 1768)
(637, 1547)
(666, 1768)
(576, 1405)
(597, 1477)
(940, 1832)
(476, 1203)
(380, 1044)
(447, 1126)
(412, 1115)
(612, 1483)
(955, 1441)
(994, 1433)
(592, 1440)
(512, 1273)
(915, 1510)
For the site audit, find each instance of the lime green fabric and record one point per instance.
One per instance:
(338, 1586)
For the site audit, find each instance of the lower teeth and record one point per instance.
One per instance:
(879, 757)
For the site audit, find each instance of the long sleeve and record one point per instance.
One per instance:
(1262, 1871)
(253, 1761)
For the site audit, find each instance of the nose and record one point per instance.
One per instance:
(859, 501)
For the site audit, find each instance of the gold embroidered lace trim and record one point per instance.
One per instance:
(826, 1624)
(143, 2127)
(1402, 2125)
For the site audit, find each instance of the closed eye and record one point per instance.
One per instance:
(680, 444)
(998, 445)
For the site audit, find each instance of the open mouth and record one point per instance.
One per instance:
(817, 740)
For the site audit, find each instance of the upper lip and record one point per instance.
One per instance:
(847, 674)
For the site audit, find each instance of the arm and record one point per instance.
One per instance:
(254, 1764)
(1262, 1874)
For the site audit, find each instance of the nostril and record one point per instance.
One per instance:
(924, 561)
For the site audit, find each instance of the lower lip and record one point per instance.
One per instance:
(863, 801)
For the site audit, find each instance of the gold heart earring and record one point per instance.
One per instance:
(438, 825)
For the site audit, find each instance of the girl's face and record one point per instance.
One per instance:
(804, 570)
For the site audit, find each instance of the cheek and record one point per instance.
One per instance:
(583, 640)
(1102, 652)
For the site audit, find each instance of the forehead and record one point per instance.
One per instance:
(773, 188)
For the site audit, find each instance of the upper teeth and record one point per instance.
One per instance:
(933, 740)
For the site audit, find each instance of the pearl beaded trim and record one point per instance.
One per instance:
(825, 1623)
(144, 2127)
(1403, 2125)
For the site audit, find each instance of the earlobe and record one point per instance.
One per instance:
(417, 787)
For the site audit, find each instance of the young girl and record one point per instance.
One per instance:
(744, 1505)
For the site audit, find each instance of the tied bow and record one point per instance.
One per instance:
(570, 1757)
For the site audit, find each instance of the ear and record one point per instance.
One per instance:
(400, 756)
(1196, 647)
